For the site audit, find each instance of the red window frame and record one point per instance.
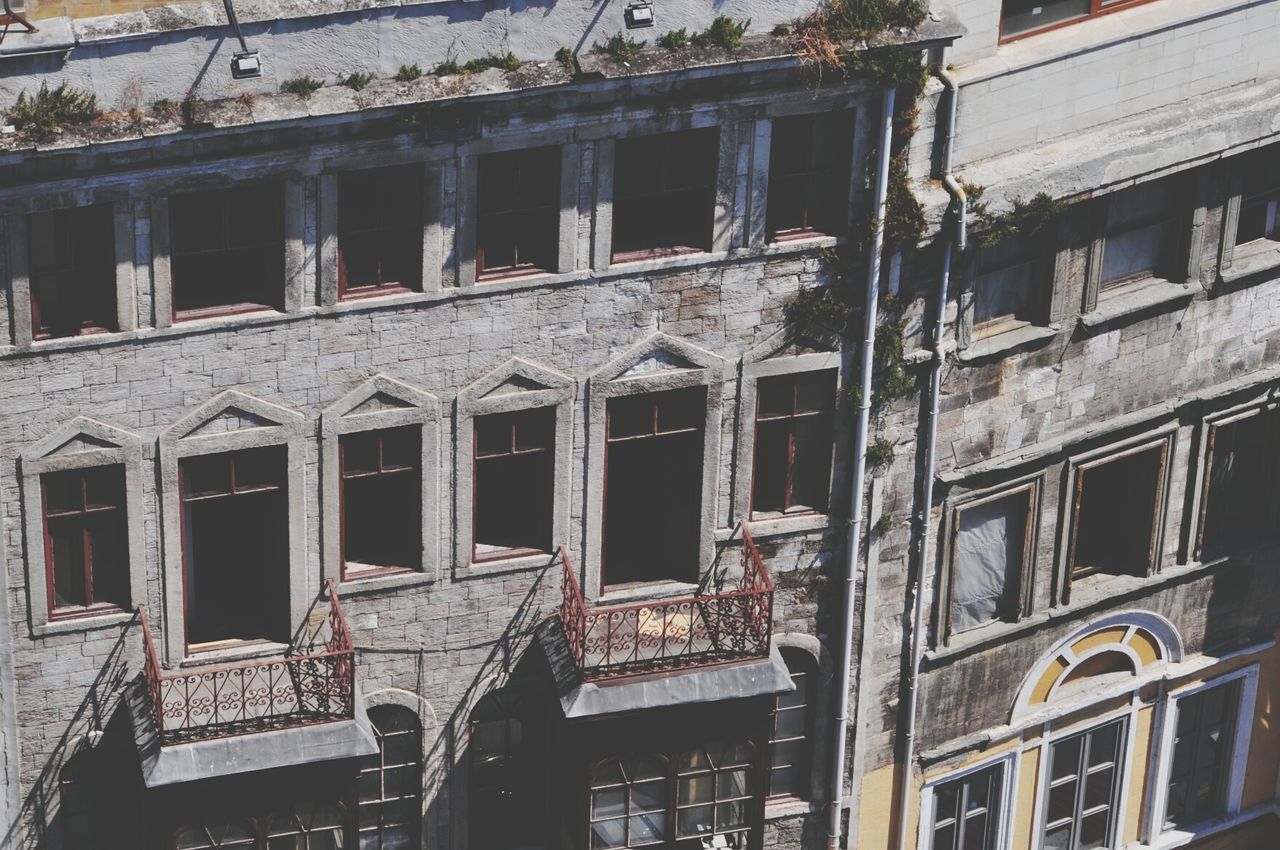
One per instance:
(517, 213)
(81, 518)
(819, 176)
(227, 236)
(531, 434)
(1097, 8)
(379, 225)
(410, 448)
(819, 385)
(664, 190)
(73, 291)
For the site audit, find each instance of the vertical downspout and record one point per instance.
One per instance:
(857, 511)
(920, 608)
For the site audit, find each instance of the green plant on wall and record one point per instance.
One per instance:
(1024, 219)
(42, 117)
(724, 32)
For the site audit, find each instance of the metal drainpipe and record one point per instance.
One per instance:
(856, 518)
(930, 445)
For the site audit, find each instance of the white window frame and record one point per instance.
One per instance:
(1156, 833)
(1011, 761)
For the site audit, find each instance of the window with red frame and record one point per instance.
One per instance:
(86, 550)
(517, 213)
(513, 483)
(1025, 17)
(227, 251)
(73, 271)
(381, 501)
(235, 545)
(809, 176)
(664, 194)
(653, 486)
(792, 467)
(379, 232)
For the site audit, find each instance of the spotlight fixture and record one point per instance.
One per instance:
(245, 63)
(638, 15)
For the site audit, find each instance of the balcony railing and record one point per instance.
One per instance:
(314, 682)
(711, 626)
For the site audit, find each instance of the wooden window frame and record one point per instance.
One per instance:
(261, 826)
(704, 194)
(801, 664)
(86, 511)
(789, 509)
(1211, 427)
(1170, 243)
(516, 417)
(1033, 487)
(995, 810)
(522, 160)
(410, 230)
(1162, 443)
(1097, 8)
(1037, 257)
(1118, 766)
(383, 471)
(68, 224)
(820, 178)
(381, 767)
(272, 192)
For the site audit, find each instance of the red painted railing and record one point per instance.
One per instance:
(666, 634)
(314, 682)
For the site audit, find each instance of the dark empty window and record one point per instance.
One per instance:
(809, 176)
(792, 467)
(86, 548)
(1023, 17)
(653, 486)
(379, 231)
(1084, 788)
(381, 497)
(791, 744)
(517, 213)
(1203, 747)
(513, 483)
(966, 811)
(73, 271)
(1259, 220)
(1139, 238)
(390, 785)
(664, 194)
(78, 799)
(990, 550)
(1007, 286)
(507, 797)
(1241, 500)
(235, 544)
(227, 251)
(1116, 512)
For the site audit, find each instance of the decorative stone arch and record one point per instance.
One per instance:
(1145, 641)
(431, 773)
(784, 353)
(655, 364)
(514, 386)
(381, 402)
(230, 421)
(82, 443)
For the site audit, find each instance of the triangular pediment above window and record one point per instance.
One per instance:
(788, 343)
(658, 354)
(513, 377)
(379, 394)
(80, 435)
(232, 411)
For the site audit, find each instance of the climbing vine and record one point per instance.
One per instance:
(1024, 219)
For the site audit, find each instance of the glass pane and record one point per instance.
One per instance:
(1058, 838)
(1025, 15)
(608, 834)
(800, 696)
(731, 815)
(1177, 803)
(1097, 788)
(608, 802)
(694, 760)
(191, 838)
(66, 539)
(696, 789)
(1102, 744)
(206, 475)
(648, 796)
(1007, 291)
(732, 783)
(535, 429)
(789, 723)
(648, 828)
(786, 752)
(775, 396)
(401, 748)
(975, 832)
(402, 781)
(359, 453)
(646, 768)
(493, 435)
(784, 781)
(735, 754)
(944, 837)
(989, 547)
(609, 773)
(259, 468)
(1066, 758)
(104, 487)
(1093, 830)
(695, 821)
(816, 391)
(979, 790)
(946, 798)
(1132, 252)
(1062, 802)
(401, 448)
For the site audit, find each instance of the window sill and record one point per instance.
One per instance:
(1150, 295)
(516, 563)
(776, 525)
(1181, 837)
(786, 807)
(1007, 342)
(656, 591)
(378, 292)
(652, 255)
(357, 585)
(183, 317)
(243, 651)
(1250, 261)
(83, 623)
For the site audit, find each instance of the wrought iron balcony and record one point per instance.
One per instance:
(714, 625)
(314, 682)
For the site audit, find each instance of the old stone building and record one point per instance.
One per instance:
(412, 435)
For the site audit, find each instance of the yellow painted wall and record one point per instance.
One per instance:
(1136, 793)
(877, 812)
(1025, 798)
(1264, 741)
(37, 9)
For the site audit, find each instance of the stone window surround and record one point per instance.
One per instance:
(1164, 436)
(951, 508)
(421, 409)
(819, 695)
(18, 249)
(1234, 264)
(176, 443)
(557, 391)
(431, 772)
(1008, 789)
(760, 362)
(610, 381)
(121, 448)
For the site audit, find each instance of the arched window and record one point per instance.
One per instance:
(391, 781)
(303, 826)
(715, 790)
(75, 803)
(791, 742)
(629, 802)
(211, 835)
